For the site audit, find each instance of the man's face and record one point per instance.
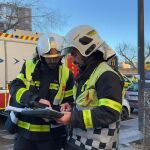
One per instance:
(52, 62)
(77, 57)
(52, 58)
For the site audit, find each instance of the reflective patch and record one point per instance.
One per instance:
(91, 33)
(32, 127)
(87, 119)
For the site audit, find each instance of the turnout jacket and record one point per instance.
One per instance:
(98, 98)
(35, 81)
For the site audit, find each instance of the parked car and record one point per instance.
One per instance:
(125, 110)
(132, 95)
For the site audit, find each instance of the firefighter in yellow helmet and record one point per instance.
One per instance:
(97, 93)
(47, 81)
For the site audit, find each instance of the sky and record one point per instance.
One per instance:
(114, 20)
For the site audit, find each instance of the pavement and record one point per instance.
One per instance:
(129, 133)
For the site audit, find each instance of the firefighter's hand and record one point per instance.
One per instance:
(65, 107)
(44, 101)
(65, 119)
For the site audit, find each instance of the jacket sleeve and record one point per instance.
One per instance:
(68, 97)
(109, 92)
(18, 90)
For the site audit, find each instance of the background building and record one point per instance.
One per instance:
(127, 69)
(13, 17)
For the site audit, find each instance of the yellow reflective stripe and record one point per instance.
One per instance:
(21, 77)
(74, 90)
(20, 93)
(37, 83)
(32, 127)
(110, 103)
(30, 66)
(68, 93)
(63, 77)
(87, 119)
(54, 86)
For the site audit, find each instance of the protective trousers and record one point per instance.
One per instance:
(51, 144)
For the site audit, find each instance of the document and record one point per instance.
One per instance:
(48, 113)
(15, 109)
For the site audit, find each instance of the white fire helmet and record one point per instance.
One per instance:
(50, 45)
(86, 40)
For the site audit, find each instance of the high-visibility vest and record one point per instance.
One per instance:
(88, 97)
(63, 77)
(87, 100)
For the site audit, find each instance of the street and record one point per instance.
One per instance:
(6, 140)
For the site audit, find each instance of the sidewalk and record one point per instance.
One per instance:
(128, 133)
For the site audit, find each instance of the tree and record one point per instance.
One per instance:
(42, 18)
(128, 53)
(147, 49)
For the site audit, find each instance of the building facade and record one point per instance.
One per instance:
(13, 17)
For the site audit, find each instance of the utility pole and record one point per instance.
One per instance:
(141, 62)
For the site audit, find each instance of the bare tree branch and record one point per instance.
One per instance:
(128, 53)
(42, 18)
(147, 49)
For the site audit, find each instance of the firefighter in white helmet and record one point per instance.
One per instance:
(44, 80)
(97, 93)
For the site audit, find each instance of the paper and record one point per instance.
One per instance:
(15, 109)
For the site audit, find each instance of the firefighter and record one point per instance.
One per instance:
(134, 79)
(97, 93)
(47, 81)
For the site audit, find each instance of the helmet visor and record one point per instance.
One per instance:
(53, 53)
(68, 50)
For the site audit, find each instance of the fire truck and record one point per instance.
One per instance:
(16, 47)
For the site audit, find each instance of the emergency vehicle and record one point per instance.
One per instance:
(15, 48)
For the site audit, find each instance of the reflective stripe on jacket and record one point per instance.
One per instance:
(28, 81)
(95, 138)
(63, 77)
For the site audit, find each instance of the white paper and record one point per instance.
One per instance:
(15, 109)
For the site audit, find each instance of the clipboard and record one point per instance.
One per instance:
(43, 113)
(38, 112)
